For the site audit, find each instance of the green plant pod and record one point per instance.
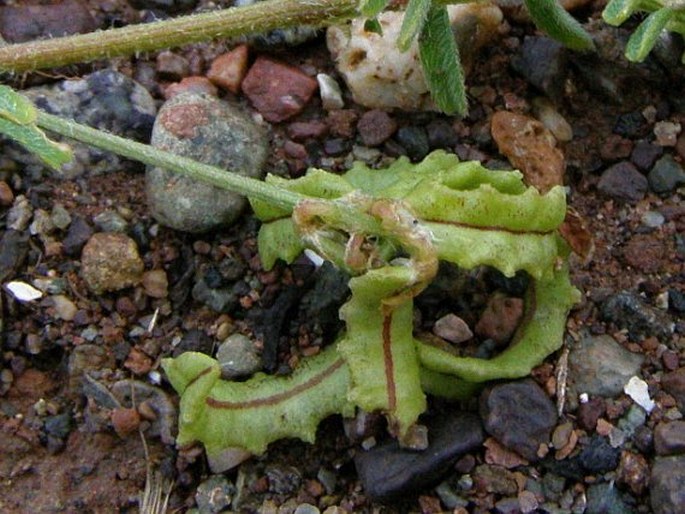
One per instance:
(379, 348)
(548, 302)
(249, 415)
(645, 37)
(549, 16)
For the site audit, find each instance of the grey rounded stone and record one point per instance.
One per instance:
(667, 493)
(238, 357)
(214, 495)
(600, 366)
(211, 131)
(666, 175)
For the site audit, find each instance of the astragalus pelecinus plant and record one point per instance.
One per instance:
(389, 228)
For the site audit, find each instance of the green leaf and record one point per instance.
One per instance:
(412, 24)
(278, 239)
(441, 64)
(645, 37)
(618, 11)
(379, 348)
(223, 414)
(17, 121)
(549, 16)
(371, 8)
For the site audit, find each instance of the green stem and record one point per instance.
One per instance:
(146, 154)
(237, 21)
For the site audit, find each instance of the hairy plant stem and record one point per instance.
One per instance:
(236, 21)
(283, 198)
(148, 155)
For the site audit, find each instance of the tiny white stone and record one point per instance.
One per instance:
(584, 398)
(155, 377)
(23, 292)
(316, 259)
(331, 96)
(638, 390)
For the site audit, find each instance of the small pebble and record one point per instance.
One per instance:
(666, 133)
(667, 495)
(623, 182)
(155, 283)
(453, 329)
(19, 215)
(64, 307)
(331, 95)
(669, 438)
(193, 84)
(645, 154)
(28, 21)
(110, 262)
(415, 141)
(277, 90)
(238, 357)
(228, 70)
(125, 421)
(653, 219)
(6, 194)
(375, 127)
(666, 175)
(214, 495)
(638, 390)
(61, 218)
(551, 118)
(500, 318)
(110, 221)
(172, 66)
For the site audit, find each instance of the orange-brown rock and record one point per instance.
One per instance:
(530, 147)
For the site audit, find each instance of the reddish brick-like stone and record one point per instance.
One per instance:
(278, 91)
(228, 70)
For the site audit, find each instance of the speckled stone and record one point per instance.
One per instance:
(107, 100)
(598, 365)
(667, 493)
(110, 262)
(623, 182)
(666, 175)
(214, 132)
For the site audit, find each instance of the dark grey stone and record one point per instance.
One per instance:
(388, 471)
(599, 456)
(627, 310)
(669, 438)
(645, 154)
(543, 63)
(667, 493)
(623, 182)
(666, 175)
(519, 415)
(77, 236)
(14, 247)
(415, 141)
(604, 498)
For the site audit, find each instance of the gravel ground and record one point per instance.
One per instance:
(597, 428)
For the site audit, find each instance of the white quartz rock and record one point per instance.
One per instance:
(381, 77)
